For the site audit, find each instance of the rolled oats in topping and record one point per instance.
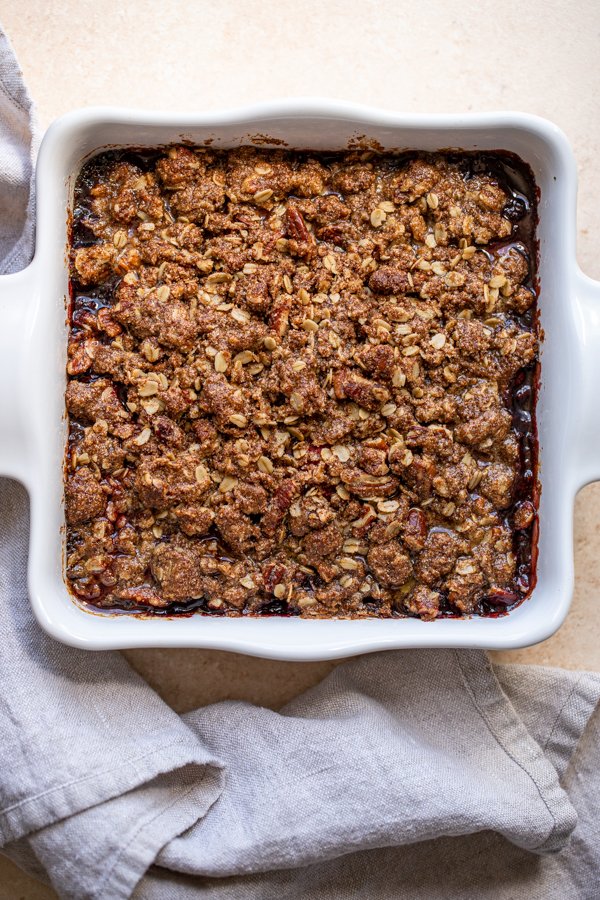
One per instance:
(302, 384)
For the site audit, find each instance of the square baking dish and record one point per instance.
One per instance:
(33, 341)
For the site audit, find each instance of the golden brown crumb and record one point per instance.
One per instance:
(290, 384)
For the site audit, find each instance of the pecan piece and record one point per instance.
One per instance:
(423, 602)
(79, 360)
(84, 318)
(349, 385)
(272, 574)
(524, 515)
(141, 596)
(365, 486)
(296, 226)
(279, 505)
(280, 314)
(414, 532)
(107, 323)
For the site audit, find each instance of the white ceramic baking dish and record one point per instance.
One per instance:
(33, 352)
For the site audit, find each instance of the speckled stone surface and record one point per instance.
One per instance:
(443, 56)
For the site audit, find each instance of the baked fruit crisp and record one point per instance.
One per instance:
(302, 383)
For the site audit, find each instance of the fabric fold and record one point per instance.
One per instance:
(390, 749)
(19, 142)
(140, 823)
(483, 865)
(554, 706)
(78, 728)
(511, 734)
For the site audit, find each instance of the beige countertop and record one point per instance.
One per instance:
(441, 56)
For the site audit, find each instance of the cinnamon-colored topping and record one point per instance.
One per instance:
(301, 383)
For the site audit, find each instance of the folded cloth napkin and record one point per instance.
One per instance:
(422, 774)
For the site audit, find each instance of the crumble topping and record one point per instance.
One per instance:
(301, 383)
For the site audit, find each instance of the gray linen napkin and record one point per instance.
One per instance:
(402, 775)
(18, 147)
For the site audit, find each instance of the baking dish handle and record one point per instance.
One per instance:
(588, 438)
(16, 301)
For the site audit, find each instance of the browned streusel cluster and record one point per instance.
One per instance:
(301, 383)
